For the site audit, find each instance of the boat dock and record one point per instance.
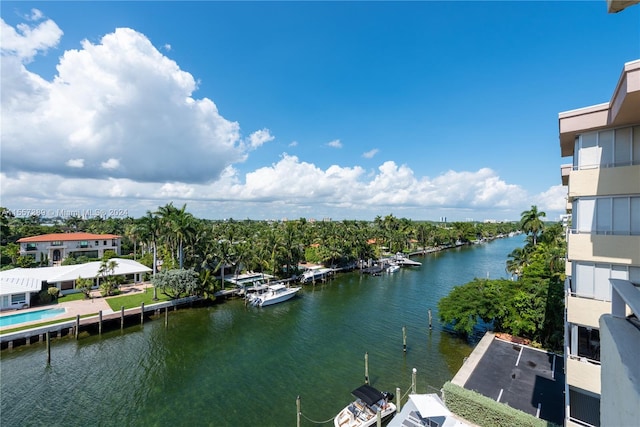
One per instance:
(101, 319)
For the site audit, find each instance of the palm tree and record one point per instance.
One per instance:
(519, 260)
(531, 222)
(149, 229)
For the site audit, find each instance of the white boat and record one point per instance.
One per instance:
(314, 274)
(393, 268)
(273, 295)
(363, 412)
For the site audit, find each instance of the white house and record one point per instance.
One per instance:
(58, 246)
(18, 284)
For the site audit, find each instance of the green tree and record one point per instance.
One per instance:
(84, 286)
(108, 281)
(531, 223)
(177, 283)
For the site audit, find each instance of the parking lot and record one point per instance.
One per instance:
(522, 377)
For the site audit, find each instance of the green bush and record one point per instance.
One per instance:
(486, 412)
(54, 292)
(43, 297)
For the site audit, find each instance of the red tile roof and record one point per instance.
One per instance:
(67, 237)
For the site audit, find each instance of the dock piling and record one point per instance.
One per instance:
(413, 380)
(404, 339)
(429, 318)
(121, 317)
(366, 368)
(100, 322)
(166, 317)
(379, 418)
(298, 411)
(48, 348)
(142, 314)
(77, 326)
(398, 400)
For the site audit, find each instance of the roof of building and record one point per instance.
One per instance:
(30, 279)
(425, 410)
(67, 237)
(16, 285)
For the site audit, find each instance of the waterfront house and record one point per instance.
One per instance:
(603, 257)
(58, 246)
(19, 284)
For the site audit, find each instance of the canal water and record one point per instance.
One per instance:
(231, 365)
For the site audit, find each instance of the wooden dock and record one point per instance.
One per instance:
(73, 327)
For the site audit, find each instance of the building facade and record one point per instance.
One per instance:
(603, 237)
(58, 246)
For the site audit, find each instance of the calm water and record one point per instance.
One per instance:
(230, 365)
(14, 319)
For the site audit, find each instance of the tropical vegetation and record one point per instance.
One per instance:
(531, 304)
(172, 238)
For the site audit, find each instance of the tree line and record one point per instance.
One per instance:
(179, 240)
(529, 306)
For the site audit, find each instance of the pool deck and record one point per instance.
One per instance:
(74, 308)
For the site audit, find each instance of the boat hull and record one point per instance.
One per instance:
(280, 298)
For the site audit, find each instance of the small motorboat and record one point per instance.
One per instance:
(363, 412)
(274, 294)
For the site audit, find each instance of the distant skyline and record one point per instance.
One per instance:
(272, 110)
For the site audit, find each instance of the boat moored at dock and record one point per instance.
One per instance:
(273, 294)
(363, 412)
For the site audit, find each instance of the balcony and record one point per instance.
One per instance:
(604, 181)
(586, 311)
(583, 373)
(565, 170)
(620, 339)
(604, 248)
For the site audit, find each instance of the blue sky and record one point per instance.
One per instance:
(274, 110)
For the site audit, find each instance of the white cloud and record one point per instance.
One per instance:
(36, 15)
(293, 144)
(259, 137)
(25, 43)
(290, 185)
(75, 163)
(110, 164)
(119, 98)
(552, 200)
(369, 154)
(335, 143)
(167, 47)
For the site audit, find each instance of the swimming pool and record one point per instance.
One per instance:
(14, 319)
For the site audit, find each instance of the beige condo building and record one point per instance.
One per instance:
(602, 344)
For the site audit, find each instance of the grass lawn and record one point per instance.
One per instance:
(135, 300)
(71, 297)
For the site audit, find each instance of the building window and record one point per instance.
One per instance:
(607, 148)
(56, 243)
(584, 407)
(585, 342)
(607, 215)
(590, 280)
(32, 246)
(104, 242)
(96, 243)
(83, 244)
(18, 299)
